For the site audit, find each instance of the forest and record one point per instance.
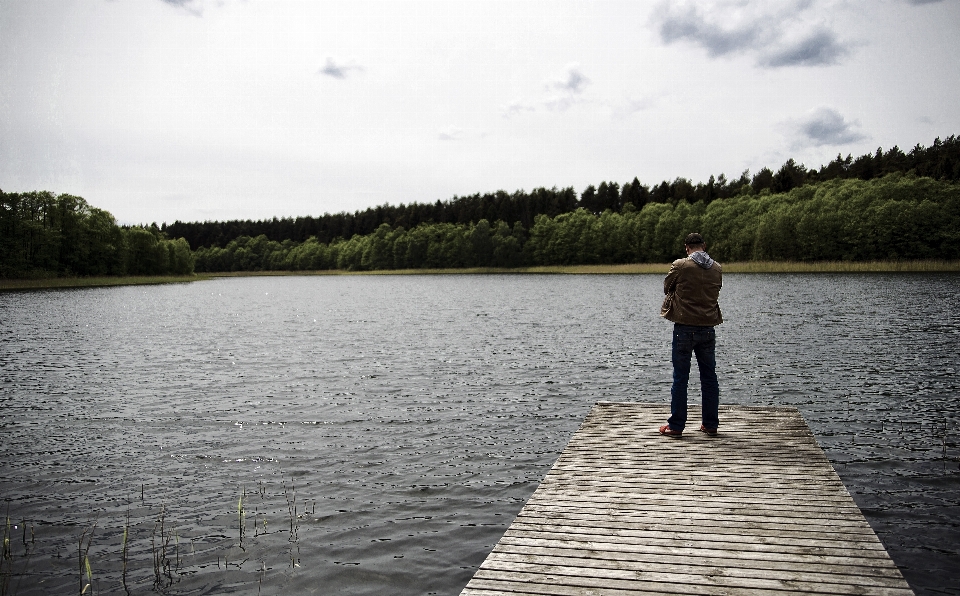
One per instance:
(881, 206)
(43, 235)
(896, 217)
(940, 161)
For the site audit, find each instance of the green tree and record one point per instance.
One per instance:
(144, 256)
(789, 176)
(762, 180)
(379, 250)
(481, 244)
(507, 246)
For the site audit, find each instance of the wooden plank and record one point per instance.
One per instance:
(689, 552)
(622, 504)
(733, 542)
(750, 530)
(756, 510)
(697, 515)
(720, 575)
(670, 583)
(617, 557)
(560, 495)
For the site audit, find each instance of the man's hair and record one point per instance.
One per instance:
(693, 239)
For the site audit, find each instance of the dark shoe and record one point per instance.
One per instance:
(666, 431)
(710, 431)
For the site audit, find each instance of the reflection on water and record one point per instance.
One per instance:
(382, 432)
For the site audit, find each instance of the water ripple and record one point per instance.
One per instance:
(380, 433)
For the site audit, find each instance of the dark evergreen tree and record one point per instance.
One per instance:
(762, 180)
(588, 199)
(634, 193)
(789, 176)
(608, 197)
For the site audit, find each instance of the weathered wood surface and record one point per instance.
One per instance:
(757, 509)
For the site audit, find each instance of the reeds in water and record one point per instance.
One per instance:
(83, 555)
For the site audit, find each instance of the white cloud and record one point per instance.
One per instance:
(690, 22)
(559, 94)
(777, 34)
(338, 71)
(573, 82)
(190, 6)
(632, 105)
(819, 47)
(451, 133)
(516, 107)
(826, 126)
(565, 91)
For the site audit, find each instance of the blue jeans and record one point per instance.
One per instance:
(702, 341)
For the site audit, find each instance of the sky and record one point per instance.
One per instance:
(195, 110)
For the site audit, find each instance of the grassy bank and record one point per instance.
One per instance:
(560, 269)
(657, 268)
(633, 268)
(94, 282)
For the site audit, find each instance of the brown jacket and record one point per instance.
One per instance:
(691, 293)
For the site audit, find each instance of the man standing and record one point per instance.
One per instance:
(692, 287)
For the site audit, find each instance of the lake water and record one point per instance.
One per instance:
(380, 433)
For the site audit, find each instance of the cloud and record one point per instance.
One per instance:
(187, 5)
(632, 105)
(559, 94)
(644, 103)
(338, 71)
(819, 48)
(517, 107)
(826, 126)
(194, 7)
(922, 2)
(563, 92)
(778, 34)
(689, 23)
(573, 82)
(451, 133)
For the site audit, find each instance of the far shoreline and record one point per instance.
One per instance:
(64, 283)
(937, 266)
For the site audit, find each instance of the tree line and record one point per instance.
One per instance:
(885, 205)
(894, 217)
(940, 161)
(45, 235)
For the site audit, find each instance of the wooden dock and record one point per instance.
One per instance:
(757, 509)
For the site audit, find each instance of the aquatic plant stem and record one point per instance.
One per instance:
(243, 493)
(83, 556)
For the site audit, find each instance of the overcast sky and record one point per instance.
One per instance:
(164, 110)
